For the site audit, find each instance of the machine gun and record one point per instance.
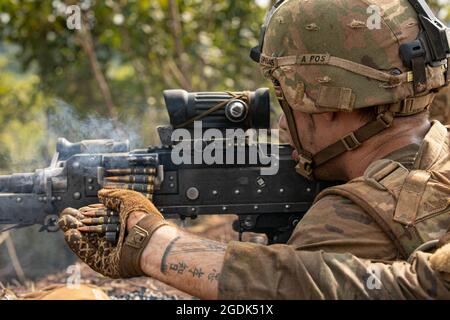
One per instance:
(270, 204)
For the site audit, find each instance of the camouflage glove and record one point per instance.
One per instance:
(84, 228)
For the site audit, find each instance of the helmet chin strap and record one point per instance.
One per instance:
(305, 158)
(308, 162)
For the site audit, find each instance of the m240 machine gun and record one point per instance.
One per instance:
(270, 202)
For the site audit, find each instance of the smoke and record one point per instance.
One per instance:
(63, 121)
(48, 252)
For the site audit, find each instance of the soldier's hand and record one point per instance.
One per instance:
(92, 248)
(85, 231)
(132, 206)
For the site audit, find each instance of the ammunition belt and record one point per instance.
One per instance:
(136, 179)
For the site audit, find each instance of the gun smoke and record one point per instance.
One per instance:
(64, 121)
(49, 253)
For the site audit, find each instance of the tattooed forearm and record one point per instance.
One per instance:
(180, 246)
(185, 261)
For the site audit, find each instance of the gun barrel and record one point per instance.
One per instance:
(17, 183)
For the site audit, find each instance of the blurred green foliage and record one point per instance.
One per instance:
(21, 116)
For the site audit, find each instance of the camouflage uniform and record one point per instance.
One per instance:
(338, 251)
(358, 241)
(440, 110)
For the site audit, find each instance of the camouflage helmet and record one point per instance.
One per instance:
(345, 55)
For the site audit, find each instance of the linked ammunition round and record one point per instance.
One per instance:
(142, 179)
(102, 220)
(100, 229)
(144, 188)
(131, 171)
(100, 213)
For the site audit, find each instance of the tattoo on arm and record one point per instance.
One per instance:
(196, 272)
(193, 246)
(213, 275)
(181, 268)
(166, 254)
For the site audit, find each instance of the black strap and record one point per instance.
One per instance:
(354, 140)
(420, 74)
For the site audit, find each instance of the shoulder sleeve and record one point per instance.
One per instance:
(252, 271)
(336, 224)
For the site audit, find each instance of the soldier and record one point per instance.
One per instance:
(366, 239)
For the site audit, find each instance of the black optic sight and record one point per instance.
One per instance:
(234, 113)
